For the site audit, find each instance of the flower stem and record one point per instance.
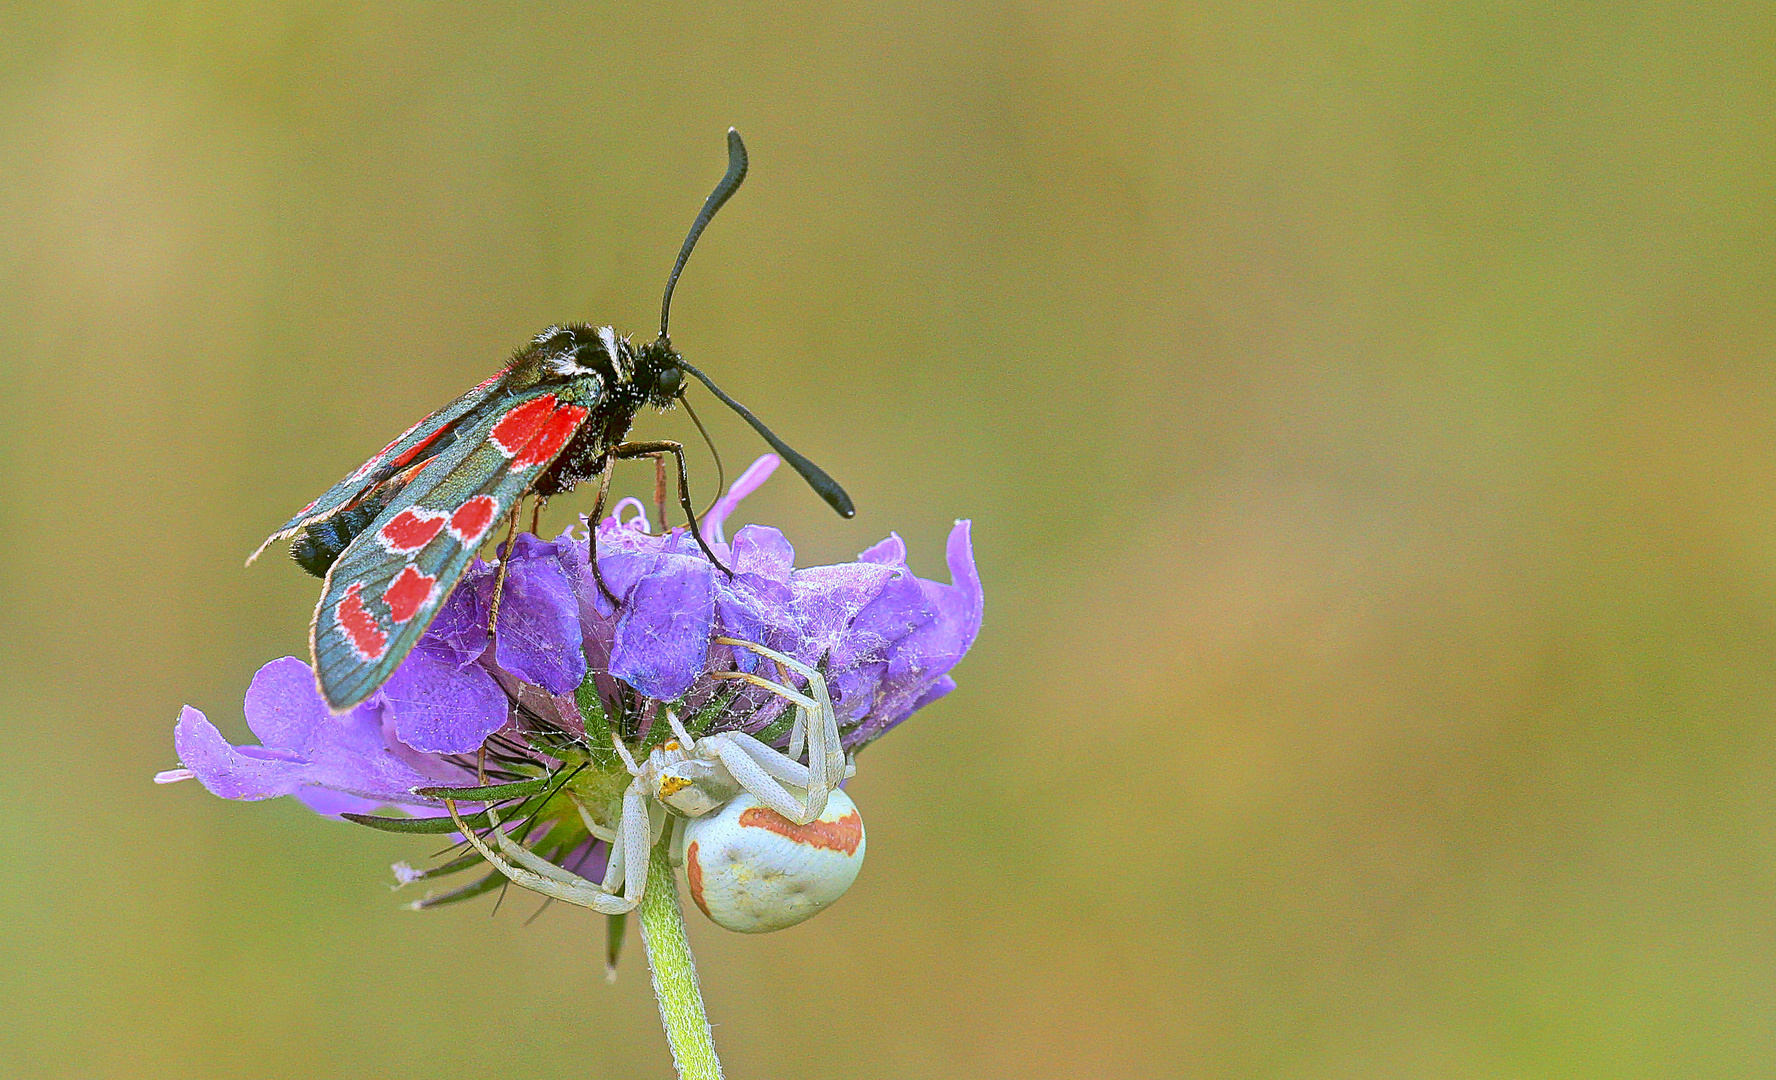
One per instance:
(675, 973)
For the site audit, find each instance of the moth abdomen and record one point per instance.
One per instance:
(319, 545)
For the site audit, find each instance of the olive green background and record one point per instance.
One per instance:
(1367, 414)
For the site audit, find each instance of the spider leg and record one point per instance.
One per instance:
(678, 729)
(597, 830)
(774, 762)
(628, 758)
(529, 870)
(677, 848)
(826, 753)
(751, 774)
(804, 705)
(637, 841)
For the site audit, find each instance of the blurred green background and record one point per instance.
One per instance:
(1367, 413)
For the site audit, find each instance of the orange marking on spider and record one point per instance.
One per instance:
(694, 877)
(841, 835)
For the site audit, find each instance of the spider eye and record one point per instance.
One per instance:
(666, 383)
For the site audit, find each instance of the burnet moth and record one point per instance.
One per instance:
(392, 538)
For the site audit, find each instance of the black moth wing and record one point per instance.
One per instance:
(387, 585)
(421, 441)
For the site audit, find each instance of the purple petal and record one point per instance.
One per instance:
(334, 803)
(863, 657)
(284, 707)
(304, 745)
(539, 620)
(827, 598)
(941, 687)
(226, 771)
(964, 601)
(461, 625)
(662, 639)
(621, 567)
(889, 552)
(441, 707)
(918, 660)
(762, 550)
(755, 608)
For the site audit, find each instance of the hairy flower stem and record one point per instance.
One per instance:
(675, 973)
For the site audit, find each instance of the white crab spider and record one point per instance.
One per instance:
(786, 843)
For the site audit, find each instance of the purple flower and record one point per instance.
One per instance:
(466, 707)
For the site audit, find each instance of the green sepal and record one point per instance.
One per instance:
(695, 725)
(598, 730)
(559, 745)
(454, 866)
(427, 826)
(658, 731)
(517, 789)
(616, 927)
(478, 887)
(776, 729)
(712, 710)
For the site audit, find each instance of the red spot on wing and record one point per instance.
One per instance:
(841, 835)
(409, 592)
(396, 441)
(694, 877)
(410, 530)
(518, 427)
(408, 457)
(367, 639)
(551, 438)
(470, 521)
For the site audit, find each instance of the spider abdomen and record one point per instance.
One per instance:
(752, 870)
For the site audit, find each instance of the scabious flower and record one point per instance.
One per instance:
(568, 666)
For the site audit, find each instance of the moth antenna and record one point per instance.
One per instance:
(726, 187)
(824, 486)
(721, 474)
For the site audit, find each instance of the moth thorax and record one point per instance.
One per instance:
(694, 787)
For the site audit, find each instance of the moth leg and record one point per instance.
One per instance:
(650, 449)
(536, 515)
(660, 490)
(604, 489)
(499, 580)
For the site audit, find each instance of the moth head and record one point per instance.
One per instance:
(659, 373)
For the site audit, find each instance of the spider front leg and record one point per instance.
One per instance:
(814, 715)
(762, 773)
(526, 869)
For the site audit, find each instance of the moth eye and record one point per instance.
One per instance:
(668, 380)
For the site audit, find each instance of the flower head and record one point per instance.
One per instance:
(568, 666)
